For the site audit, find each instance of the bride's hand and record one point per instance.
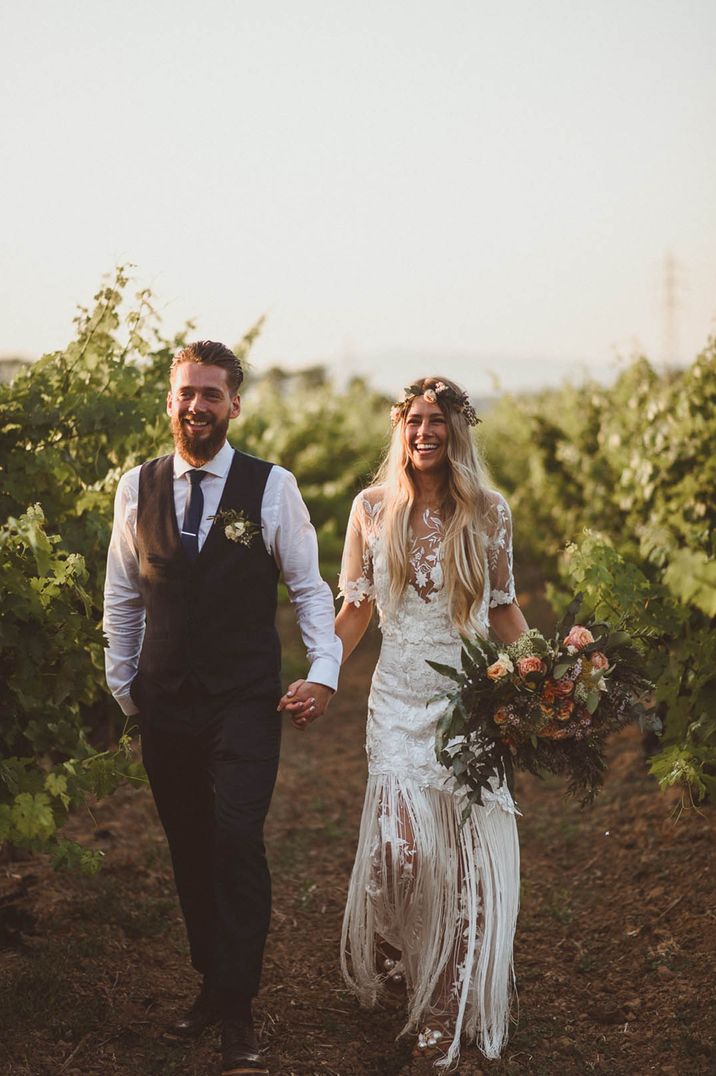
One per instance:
(289, 701)
(305, 701)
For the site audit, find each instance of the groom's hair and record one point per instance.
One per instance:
(211, 353)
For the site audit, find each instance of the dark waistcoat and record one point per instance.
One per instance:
(208, 620)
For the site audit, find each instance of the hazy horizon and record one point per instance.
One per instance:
(494, 189)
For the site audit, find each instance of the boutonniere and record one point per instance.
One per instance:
(237, 526)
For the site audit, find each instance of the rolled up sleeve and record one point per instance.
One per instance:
(124, 615)
(292, 540)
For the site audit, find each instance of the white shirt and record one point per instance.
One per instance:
(289, 538)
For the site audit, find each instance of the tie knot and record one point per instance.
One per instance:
(195, 477)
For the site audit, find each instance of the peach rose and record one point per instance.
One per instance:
(500, 668)
(599, 660)
(533, 664)
(579, 637)
(500, 715)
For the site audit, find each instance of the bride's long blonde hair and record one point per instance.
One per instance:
(464, 507)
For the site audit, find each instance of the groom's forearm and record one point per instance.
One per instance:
(124, 616)
(124, 629)
(295, 548)
(315, 618)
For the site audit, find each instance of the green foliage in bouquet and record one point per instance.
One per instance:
(541, 706)
(612, 494)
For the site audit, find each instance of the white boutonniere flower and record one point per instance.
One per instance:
(237, 526)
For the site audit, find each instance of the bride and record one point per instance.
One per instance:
(432, 904)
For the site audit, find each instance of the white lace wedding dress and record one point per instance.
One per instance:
(444, 895)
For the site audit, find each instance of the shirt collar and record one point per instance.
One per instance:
(219, 466)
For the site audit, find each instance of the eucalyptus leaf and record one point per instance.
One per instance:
(448, 671)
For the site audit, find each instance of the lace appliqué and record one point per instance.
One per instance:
(355, 591)
(501, 597)
(426, 574)
(499, 559)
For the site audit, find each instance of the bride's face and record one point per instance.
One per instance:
(426, 436)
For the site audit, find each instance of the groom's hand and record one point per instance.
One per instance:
(305, 701)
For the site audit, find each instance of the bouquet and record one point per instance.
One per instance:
(542, 705)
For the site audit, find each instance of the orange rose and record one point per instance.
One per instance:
(533, 664)
(500, 715)
(599, 660)
(563, 686)
(564, 710)
(579, 637)
(549, 693)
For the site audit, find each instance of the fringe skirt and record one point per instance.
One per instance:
(446, 897)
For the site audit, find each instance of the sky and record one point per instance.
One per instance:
(479, 189)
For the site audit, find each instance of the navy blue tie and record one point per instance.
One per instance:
(192, 515)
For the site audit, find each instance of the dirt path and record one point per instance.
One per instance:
(614, 948)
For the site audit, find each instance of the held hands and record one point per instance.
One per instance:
(305, 701)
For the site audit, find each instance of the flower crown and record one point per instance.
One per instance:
(440, 393)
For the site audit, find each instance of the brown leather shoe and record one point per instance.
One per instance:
(240, 1050)
(203, 1013)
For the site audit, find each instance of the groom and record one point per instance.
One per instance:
(199, 540)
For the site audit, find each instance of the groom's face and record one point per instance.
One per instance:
(200, 407)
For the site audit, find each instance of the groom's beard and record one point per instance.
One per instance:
(199, 446)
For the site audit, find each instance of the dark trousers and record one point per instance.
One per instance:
(212, 789)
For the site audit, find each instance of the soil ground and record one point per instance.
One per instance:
(614, 948)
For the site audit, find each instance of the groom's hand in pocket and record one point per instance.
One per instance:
(304, 701)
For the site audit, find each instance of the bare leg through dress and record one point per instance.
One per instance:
(445, 896)
(395, 867)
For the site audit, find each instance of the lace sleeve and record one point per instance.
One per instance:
(355, 583)
(499, 556)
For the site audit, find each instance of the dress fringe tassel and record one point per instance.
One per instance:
(446, 896)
